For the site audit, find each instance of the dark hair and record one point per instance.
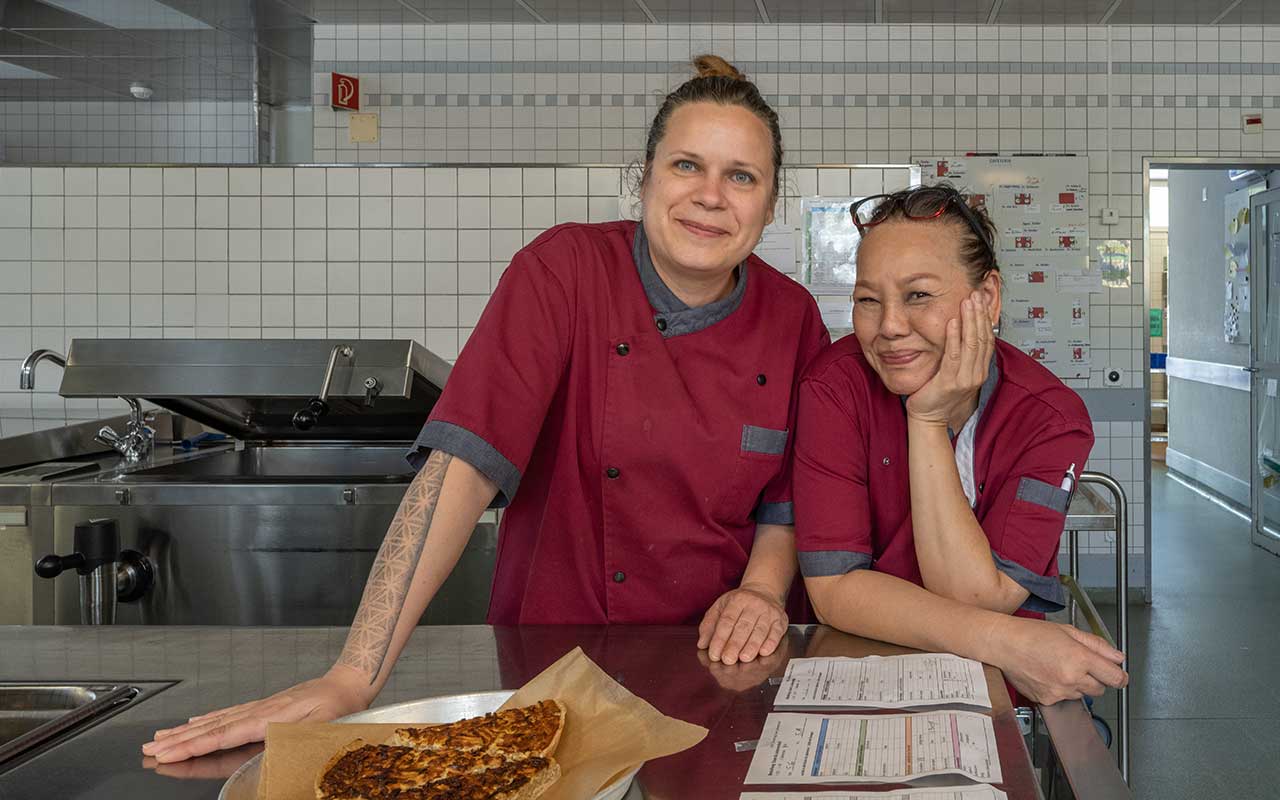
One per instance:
(966, 214)
(717, 81)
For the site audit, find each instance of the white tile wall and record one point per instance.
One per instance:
(307, 252)
(278, 252)
(134, 131)
(175, 263)
(845, 94)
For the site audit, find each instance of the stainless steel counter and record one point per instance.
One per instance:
(222, 666)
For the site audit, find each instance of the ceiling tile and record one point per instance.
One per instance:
(1048, 12)
(588, 12)
(704, 11)
(843, 12)
(940, 12)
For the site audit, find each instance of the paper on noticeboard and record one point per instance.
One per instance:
(837, 313)
(894, 748)
(777, 247)
(981, 792)
(918, 680)
(830, 243)
(1084, 282)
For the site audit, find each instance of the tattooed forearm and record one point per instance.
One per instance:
(392, 573)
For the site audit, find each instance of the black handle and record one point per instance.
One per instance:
(97, 542)
(52, 566)
(307, 418)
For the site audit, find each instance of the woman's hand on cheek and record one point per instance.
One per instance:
(965, 360)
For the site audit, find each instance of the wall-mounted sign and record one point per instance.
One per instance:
(362, 128)
(345, 92)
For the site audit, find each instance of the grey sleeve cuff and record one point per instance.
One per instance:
(776, 514)
(826, 563)
(1046, 594)
(458, 441)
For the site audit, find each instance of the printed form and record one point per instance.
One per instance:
(890, 748)
(912, 681)
(983, 792)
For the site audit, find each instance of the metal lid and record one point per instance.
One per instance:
(252, 388)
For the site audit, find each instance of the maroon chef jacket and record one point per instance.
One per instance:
(852, 489)
(636, 441)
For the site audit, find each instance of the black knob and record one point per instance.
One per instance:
(619, 576)
(612, 473)
(662, 324)
(52, 566)
(761, 379)
(307, 418)
(136, 576)
(623, 349)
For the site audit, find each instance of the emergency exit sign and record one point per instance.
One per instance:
(345, 92)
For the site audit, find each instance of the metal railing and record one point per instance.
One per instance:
(1116, 518)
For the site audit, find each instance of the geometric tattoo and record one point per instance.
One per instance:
(392, 573)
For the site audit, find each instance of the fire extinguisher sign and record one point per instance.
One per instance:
(345, 92)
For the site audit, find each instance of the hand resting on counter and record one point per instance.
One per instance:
(340, 692)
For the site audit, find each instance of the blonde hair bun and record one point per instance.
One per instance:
(709, 66)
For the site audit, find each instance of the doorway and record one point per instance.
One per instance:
(1214, 316)
(1264, 369)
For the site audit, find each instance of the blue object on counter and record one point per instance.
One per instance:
(203, 438)
(1158, 360)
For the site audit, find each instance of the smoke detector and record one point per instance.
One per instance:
(140, 90)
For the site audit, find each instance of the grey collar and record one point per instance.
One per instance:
(672, 316)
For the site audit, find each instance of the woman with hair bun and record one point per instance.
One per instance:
(628, 396)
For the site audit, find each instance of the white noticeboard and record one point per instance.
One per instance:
(1236, 319)
(1040, 206)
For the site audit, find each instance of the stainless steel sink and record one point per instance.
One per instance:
(294, 464)
(37, 716)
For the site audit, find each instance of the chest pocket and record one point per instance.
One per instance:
(759, 461)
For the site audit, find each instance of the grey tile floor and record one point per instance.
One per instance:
(1205, 657)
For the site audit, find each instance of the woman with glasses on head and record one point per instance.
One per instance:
(934, 462)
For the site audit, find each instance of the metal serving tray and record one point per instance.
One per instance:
(243, 785)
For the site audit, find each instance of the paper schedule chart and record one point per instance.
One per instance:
(897, 748)
(981, 792)
(892, 682)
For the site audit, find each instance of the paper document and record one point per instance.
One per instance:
(982, 792)
(913, 681)
(778, 247)
(891, 748)
(837, 313)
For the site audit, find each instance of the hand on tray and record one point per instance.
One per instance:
(338, 693)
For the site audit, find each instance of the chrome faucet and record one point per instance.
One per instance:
(136, 443)
(139, 437)
(27, 375)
